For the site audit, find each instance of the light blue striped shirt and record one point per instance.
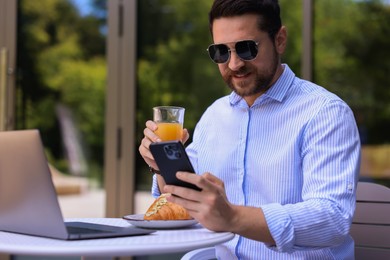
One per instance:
(296, 154)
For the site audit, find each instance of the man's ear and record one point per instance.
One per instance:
(281, 40)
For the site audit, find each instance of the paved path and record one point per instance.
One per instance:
(91, 204)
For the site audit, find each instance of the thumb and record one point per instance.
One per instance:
(212, 178)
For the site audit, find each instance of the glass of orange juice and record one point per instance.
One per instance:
(170, 121)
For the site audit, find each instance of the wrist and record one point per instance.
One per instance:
(154, 171)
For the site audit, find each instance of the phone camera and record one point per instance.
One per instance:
(168, 150)
(172, 152)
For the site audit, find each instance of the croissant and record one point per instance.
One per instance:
(161, 209)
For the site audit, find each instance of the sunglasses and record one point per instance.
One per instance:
(220, 53)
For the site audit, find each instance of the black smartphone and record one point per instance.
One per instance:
(171, 157)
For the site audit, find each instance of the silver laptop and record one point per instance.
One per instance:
(28, 200)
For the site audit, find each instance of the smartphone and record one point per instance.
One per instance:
(171, 157)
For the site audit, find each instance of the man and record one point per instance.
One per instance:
(278, 159)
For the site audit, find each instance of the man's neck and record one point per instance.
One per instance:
(250, 100)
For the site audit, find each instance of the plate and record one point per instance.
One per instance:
(138, 221)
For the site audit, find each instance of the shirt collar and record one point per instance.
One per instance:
(277, 91)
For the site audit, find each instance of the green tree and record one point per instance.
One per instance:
(368, 53)
(351, 59)
(61, 61)
(292, 18)
(173, 65)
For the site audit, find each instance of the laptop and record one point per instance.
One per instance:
(28, 200)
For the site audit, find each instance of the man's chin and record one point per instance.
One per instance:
(242, 92)
(239, 86)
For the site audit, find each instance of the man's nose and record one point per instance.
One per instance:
(235, 62)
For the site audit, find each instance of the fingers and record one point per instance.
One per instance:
(149, 131)
(207, 206)
(186, 135)
(213, 179)
(217, 183)
(186, 193)
(186, 197)
(149, 138)
(151, 127)
(145, 152)
(206, 182)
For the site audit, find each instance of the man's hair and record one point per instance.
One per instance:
(268, 11)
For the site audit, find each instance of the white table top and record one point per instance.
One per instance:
(160, 242)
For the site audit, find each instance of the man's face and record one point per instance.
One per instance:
(248, 79)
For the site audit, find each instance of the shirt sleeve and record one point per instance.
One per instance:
(155, 190)
(330, 156)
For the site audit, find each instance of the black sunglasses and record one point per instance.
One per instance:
(220, 53)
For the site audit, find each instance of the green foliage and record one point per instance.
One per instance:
(62, 63)
(292, 18)
(350, 45)
(351, 59)
(81, 85)
(173, 67)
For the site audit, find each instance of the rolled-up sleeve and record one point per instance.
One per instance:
(330, 163)
(155, 190)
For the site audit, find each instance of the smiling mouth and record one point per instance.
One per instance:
(240, 75)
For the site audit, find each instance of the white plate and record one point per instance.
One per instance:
(138, 221)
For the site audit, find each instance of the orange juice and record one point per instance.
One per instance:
(169, 131)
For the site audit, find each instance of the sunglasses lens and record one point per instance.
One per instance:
(246, 50)
(219, 53)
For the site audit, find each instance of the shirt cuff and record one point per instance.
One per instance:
(280, 226)
(155, 190)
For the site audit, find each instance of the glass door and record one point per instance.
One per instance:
(60, 90)
(7, 63)
(352, 61)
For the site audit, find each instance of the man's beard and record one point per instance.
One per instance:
(262, 82)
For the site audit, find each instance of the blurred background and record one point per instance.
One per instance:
(61, 82)
(87, 73)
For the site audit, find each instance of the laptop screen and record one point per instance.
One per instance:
(28, 200)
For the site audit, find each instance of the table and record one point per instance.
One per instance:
(160, 242)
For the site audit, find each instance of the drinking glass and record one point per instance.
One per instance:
(170, 121)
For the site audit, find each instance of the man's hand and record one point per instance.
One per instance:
(212, 209)
(209, 206)
(151, 137)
